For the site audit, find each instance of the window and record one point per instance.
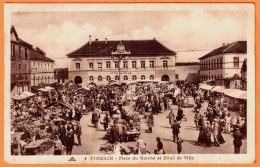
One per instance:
(26, 55)
(116, 77)
(221, 63)
(125, 77)
(151, 77)
(214, 63)
(90, 65)
(91, 78)
(217, 63)
(108, 64)
(25, 67)
(142, 64)
(236, 61)
(19, 66)
(133, 64)
(176, 76)
(220, 75)
(99, 78)
(125, 64)
(142, 77)
(165, 63)
(99, 66)
(151, 64)
(19, 55)
(77, 65)
(13, 50)
(134, 77)
(108, 78)
(116, 64)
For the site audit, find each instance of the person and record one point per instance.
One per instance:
(95, 118)
(69, 141)
(78, 133)
(113, 134)
(208, 132)
(119, 130)
(159, 149)
(119, 149)
(62, 133)
(106, 121)
(14, 147)
(210, 116)
(220, 137)
(150, 123)
(228, 121)
(176, 130)
(196, 119)
(171, 117)
(141, 146)
(179, 114)
(237, 142)
(179, 145)
(215, 132)
(57, 145)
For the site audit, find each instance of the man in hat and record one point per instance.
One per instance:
(237, 142)
(176, 130)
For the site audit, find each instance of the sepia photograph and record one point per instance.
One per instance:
(129, 83)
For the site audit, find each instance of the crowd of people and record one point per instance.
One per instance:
(56, 115)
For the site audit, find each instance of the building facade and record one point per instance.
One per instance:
(61, 75)
(223, 62)
(42, 68)
(20, 64)
(187, 71)
(101, 62)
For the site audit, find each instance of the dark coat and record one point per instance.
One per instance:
(176, 127)
(237, 139)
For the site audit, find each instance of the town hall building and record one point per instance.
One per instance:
(102, 62)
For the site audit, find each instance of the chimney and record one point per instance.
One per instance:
(90, 39)
(96, 40)
(105, 40)
(223, 44)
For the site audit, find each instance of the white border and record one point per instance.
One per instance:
(198, 158)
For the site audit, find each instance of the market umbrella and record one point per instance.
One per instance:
(48, 88)
(28, 94)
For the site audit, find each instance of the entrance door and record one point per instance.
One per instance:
(165, 78)
(78, 80)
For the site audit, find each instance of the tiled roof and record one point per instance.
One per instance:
(136, 47)
(38, 56)
(235, 47)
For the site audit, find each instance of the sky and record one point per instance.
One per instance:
(59, 33)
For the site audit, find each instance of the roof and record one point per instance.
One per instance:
(187, 63)
(136, 47)
(235, 47)
(19, 40)
(35, 55)
(244, 66)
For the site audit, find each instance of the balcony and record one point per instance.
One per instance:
(19, 77)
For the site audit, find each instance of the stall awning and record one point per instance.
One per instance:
(48, 88)
(218, 89)
(205, 87)
(236, 93)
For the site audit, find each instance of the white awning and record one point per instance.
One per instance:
(218, 89)
(236, 93)
(205, 87)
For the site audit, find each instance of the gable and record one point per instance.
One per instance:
(13, 37)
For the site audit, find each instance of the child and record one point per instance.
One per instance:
(179, 145)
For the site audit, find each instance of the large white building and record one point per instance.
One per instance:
(187, 71)
(223, 62)
(42, 68)
(122, 61)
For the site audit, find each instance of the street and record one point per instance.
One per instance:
(91, 136)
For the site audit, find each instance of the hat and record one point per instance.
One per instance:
(158, 138)
(237, 130)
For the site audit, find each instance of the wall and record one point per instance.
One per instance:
(85, 72)
(184, 72)
(230, 70)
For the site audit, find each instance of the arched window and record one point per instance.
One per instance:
(125, 77)
(91, 78)
(108, 78)
(99, 78)
(142, 77)
(151, 77)
(134, 77)
(116, 77)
